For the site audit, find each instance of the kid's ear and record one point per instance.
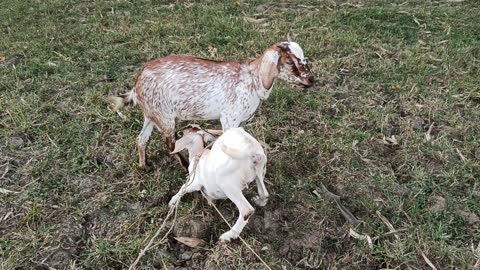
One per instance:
(181, 144)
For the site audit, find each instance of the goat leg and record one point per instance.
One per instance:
(245, 211)
(261, 199)
(142, 141)
(184, 190)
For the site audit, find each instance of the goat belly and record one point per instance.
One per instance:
(214, 194)
(203, 106)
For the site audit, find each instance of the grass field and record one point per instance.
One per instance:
(392, 126)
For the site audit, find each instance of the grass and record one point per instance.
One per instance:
(386, 72)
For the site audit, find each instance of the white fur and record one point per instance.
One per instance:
(297, 51)
(236, 159)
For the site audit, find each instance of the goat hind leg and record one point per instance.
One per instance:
(261, 199)
(245, 210)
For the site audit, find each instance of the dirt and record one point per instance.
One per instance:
(194, 227)
(15, 142)
(437, 204)
(471, 218)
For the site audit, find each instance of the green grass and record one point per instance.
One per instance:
(383, 69)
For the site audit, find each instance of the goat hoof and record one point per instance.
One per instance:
(228, 236)
(259, 201)
(173, 201)
(145, 167)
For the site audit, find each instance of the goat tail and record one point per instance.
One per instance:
(235, 153)
(123, 100)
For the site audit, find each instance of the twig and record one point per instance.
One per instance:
(389, 225)
(347, 214)
(428, 137)
(6, 191)
(389, 233)
(343, 210)
(329, 194)
(428, 261)
(5, 173)
(462, 157)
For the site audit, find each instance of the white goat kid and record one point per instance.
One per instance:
(235, 160)
(192, 88)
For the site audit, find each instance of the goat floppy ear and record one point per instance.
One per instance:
(181, 144)
(289, 38)
(207, 136)
(282, 45)
(269, 68)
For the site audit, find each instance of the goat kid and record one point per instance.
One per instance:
(235, 160)
(192, 88)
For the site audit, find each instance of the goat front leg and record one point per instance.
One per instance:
(184, 190)
(245, 211)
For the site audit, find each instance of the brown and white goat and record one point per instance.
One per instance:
(192, 88)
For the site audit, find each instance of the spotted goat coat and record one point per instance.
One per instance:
(192, 88)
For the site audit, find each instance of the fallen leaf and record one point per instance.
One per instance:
(462, 157)
(2, 58)
(6, 191)
(253, 20)
(390, 141)
(190, 242)
(434, 58)
(428, 137)
(213, 51)
(428, 261)
(363, 237)
(389, 225)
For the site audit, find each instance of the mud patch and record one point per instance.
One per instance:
(437, 204)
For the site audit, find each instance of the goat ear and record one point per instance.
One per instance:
(282, 45)
(207, 137)
(289, 38)
(269, 68)
(181, 144)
